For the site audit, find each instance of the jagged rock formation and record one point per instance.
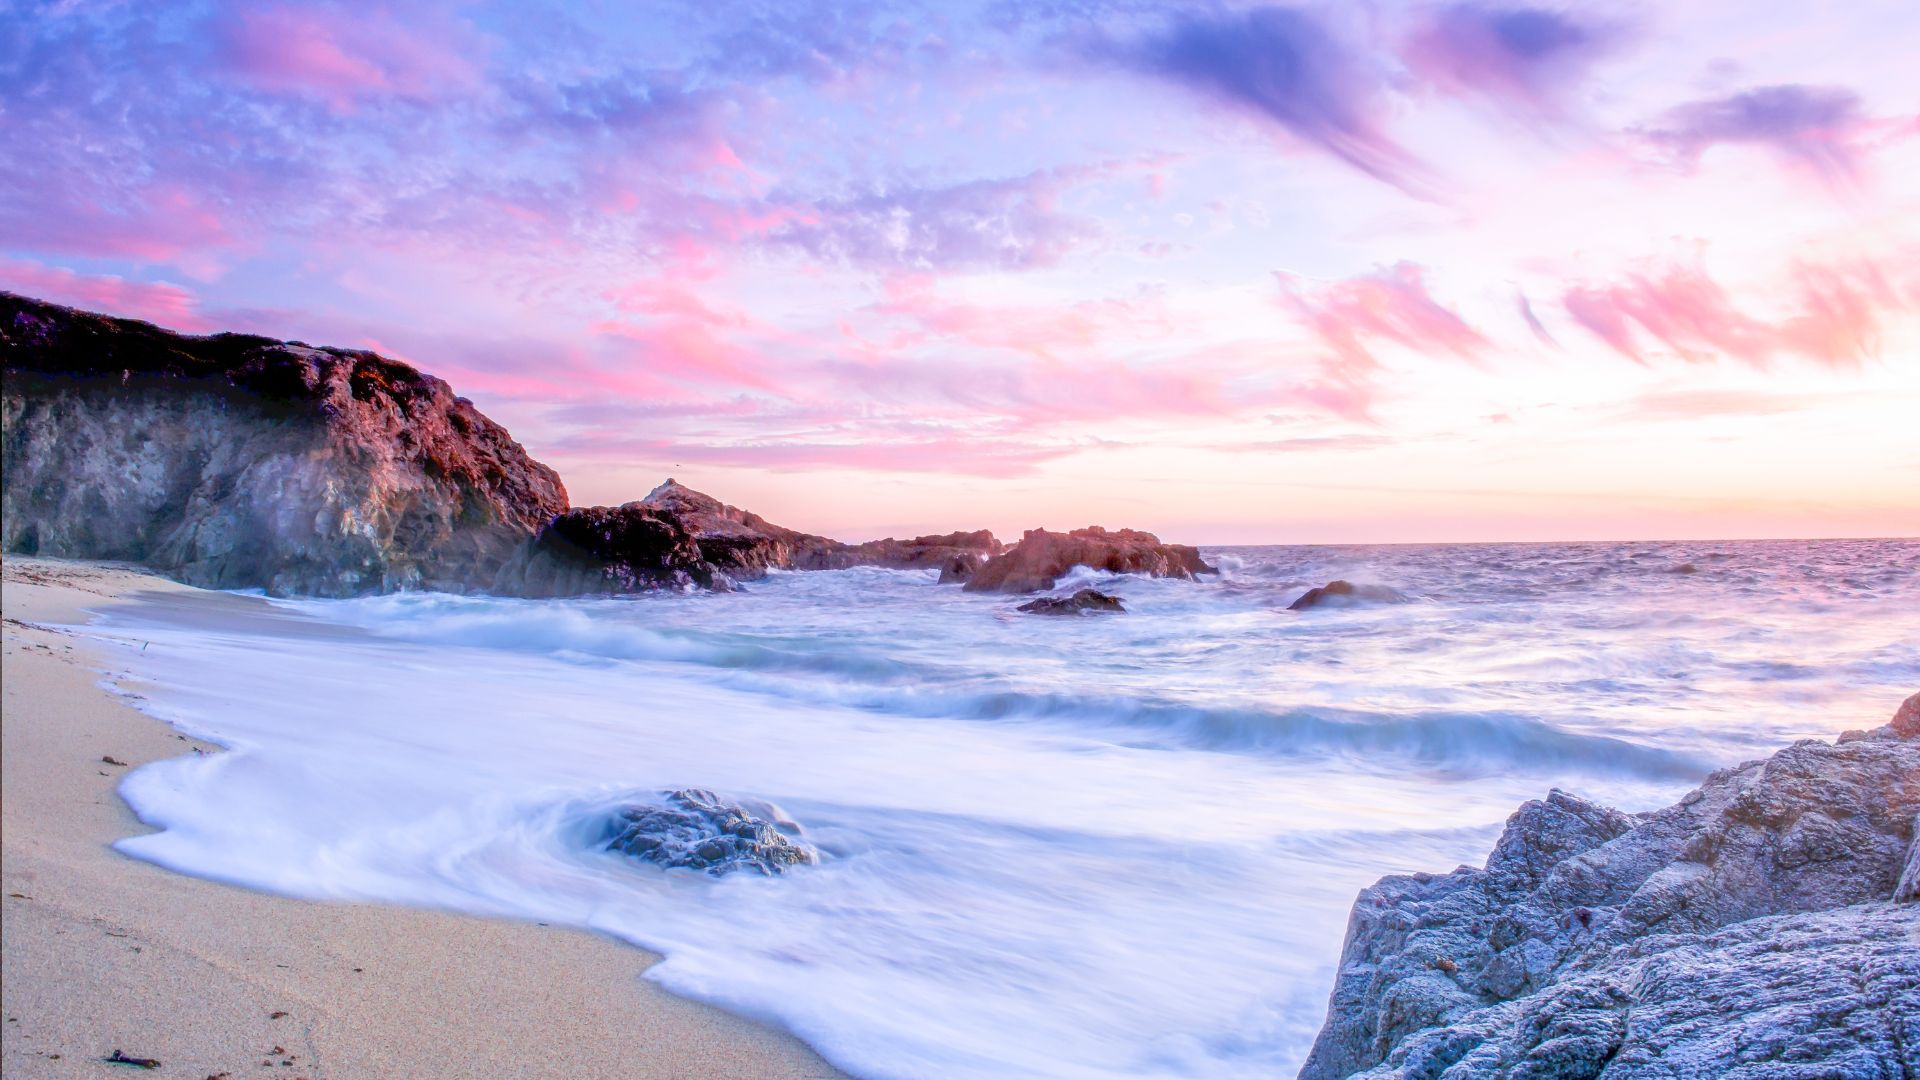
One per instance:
(1338, 592)
(679, 538)
(1038, 560)
(696, 829)
(238, 461)
(235, 461)
(1763, 927)
(1086, 601)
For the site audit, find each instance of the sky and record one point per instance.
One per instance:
(1351, 272)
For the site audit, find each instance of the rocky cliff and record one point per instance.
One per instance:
(236, 461)
(1765, 926)
(678, 538)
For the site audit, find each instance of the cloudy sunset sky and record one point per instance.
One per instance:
(1349, 272)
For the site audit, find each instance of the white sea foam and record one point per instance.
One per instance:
(1115, 846)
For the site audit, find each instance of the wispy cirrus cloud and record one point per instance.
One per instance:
(346, 55)
(1522, 59)
(1283, 66)
(1834, 315)
(1350, 317)
(1813, 128)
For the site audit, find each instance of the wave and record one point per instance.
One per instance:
(1444, 741)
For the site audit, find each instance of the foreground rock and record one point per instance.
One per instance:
(1336, 593)
(235, 461)
(1084, 602)
(1041, 557)
(1752, 930)
(694, 829)
(679, 538)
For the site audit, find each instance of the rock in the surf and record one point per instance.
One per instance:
(696, 829)
(1763, 926)
(1084, 602)
(1038, 560)
(1339, 592)
(679, 538)
(960, 567)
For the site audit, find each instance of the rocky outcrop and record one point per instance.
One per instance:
(678, 538)
(237, 461)
(1760, 927)
(697, 830)
(1338, 593)
(1084, 602)
(956, 554)
(1041, 557)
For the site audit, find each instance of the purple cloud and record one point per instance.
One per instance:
(1519, 57)
(1283, 66)
(1809, 126)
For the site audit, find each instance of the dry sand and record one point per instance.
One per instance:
(102, 952)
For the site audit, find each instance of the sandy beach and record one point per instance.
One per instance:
(103, 953)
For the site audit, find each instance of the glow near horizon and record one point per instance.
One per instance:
(1234, 274)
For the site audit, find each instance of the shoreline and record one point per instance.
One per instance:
(103, 952)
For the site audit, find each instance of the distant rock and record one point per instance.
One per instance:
(695, 829)
(921, 552)
(1763, 926)
(679, 538)
(1084, 602)
(1339, 592)
(960, 567)
(234, 461)
(1041, 557)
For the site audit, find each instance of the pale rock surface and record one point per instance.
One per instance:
(1762, 927)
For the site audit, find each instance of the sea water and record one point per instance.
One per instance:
(1117, 845)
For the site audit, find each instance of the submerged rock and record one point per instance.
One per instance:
(1086, 601)
(235, 461)
(1338, 592)
(1763, 926)
(1038, 560)
(693, 828)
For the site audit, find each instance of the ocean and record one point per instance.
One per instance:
(1117, 845)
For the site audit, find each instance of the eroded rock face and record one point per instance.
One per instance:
(1760, 927)
(678, 538)
(696, 829)
(234, 461)
(1335, 593)
(1084, 602)
(1038, 560)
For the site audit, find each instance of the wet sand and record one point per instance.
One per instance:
(100, 952)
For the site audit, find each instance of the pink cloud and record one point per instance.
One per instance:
(344, 56)
(952, 454)
(1348, 317)
(156, 302)
(1836, 322)
(160, 223)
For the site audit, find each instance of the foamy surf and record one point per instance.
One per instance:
(1114, 846)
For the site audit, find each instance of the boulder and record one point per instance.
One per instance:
(960, 567)
(1335, 593)
(697, 830)
(1756, 928)
(1041, 557)
(1084, 602)
(235, 461)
